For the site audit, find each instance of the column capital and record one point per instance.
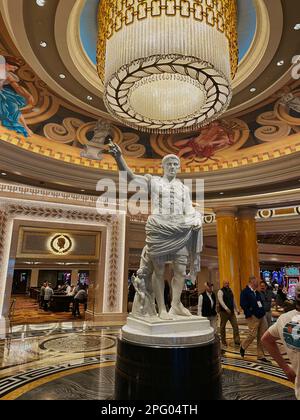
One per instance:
(247, 212)
(226, 211)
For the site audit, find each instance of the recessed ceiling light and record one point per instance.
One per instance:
(89, 98)
(252, 90)
(297, 27)
(221, 193)
(62, 76)
(43, 44)
(82, 190)
(3, 173)
(280, 63)
(40, 3)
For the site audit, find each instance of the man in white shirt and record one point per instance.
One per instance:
(287, 330)
(207, 304)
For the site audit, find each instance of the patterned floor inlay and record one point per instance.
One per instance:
(14, 383)
(79, 343)
(67, 361)
(98, 384)
(242, 386)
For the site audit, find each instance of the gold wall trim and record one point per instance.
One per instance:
(265, 152)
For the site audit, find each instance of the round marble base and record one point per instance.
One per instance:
(168, 373)
(182, 331)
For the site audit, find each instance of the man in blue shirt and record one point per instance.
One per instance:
(253, 307)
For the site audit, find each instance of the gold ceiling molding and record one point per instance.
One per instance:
(65, 153)
(260, 46)
(75, 57)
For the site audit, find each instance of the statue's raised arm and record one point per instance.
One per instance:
(116, 152)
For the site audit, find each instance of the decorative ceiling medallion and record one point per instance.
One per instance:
(167, 66)
(61, 244)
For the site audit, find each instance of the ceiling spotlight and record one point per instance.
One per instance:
(280, 63)
(89, 98)
(222, 193)
(3, 173)
(62, 76)
(43, 44)
(252, 90)
(297, 27)
(40, 3)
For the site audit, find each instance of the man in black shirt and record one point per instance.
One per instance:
(253, 307)
(207, 305)
(227, 308)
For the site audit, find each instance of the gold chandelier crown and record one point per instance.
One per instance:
(167, 65)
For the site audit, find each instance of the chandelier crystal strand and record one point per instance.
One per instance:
(167, 65)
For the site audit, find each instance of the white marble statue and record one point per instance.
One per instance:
(144, 303)
(173, 231)
(94, 148)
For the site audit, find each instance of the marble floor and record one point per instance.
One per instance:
(71, 361)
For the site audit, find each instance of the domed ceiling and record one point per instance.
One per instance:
(252, 144)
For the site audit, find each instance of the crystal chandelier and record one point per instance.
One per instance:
(167, 65)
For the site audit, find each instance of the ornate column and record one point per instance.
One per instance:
(74, 277)
(34, 279)
(228, 249)
(248, 247)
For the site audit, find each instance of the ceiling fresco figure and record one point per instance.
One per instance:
(289, 99)
(13, 98)
(211, 138)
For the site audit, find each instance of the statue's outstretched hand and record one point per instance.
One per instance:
(114, 150)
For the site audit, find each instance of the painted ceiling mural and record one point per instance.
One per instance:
(37, 119)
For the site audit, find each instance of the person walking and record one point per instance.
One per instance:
(80, 297)
(42, 295)
(267, 296)
(252, 305)
(47, 296)
(207, 304)
(287, 330)
(227, 308)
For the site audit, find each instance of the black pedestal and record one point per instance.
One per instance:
(168, 373)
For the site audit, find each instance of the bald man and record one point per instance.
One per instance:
(287, 330)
